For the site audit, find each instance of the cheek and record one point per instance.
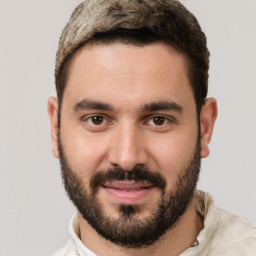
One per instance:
(86, 153)
(172, 153)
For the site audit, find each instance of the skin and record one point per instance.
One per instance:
(128, 78)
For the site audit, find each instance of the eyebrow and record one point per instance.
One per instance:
(87, 104)
(162, 105)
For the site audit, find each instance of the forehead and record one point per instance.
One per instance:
(153, 72)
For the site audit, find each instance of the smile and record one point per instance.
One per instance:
(128, 192)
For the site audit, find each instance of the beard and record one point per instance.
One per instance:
(128, 230)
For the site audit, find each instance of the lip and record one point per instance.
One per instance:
(128, 192)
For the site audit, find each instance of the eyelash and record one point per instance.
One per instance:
(149, 121)
(95, 116)
(165, 120)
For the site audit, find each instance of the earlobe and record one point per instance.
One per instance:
(208, 117)
(52, 109)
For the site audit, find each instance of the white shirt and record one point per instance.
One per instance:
(224, 234)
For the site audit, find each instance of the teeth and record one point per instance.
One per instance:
(132, 189)
(129, 189)
(126, 188)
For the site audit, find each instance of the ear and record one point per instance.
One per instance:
(208, 116)
(52, 108)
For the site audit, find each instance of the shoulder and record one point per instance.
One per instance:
(234, 235)
(236, 226)
(66, 250)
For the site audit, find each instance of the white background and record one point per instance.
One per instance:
(34, 210)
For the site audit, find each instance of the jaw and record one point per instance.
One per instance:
(172, 243)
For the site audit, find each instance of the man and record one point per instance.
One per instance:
(130, 125)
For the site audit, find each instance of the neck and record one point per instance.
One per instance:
(172, 243)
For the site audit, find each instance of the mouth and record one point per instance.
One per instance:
(128, 192)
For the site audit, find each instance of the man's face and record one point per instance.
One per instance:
(128, 140)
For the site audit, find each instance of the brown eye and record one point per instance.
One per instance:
(159, 120)
(96, 120)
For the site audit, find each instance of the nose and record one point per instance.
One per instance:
(127, 148)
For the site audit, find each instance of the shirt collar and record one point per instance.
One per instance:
(80, 248)
(206, 208)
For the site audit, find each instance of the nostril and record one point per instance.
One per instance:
(136, 166)
(115, 165)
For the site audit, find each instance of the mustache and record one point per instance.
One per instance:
(99, 178)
